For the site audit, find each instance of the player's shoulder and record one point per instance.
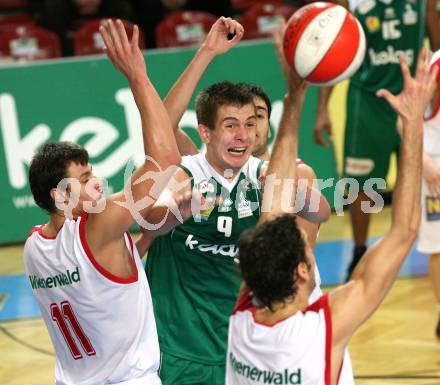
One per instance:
(195, 166)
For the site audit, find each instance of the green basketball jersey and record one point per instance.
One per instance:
(191, 271)
(391, 27)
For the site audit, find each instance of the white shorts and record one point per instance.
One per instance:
(429, 233)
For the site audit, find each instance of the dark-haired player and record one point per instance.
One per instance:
(85, 273)
(282, 339)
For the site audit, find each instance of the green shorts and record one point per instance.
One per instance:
(370, 136)
(178, 371)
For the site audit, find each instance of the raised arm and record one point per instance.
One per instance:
(179, 96)
(310, 212)
(282, 166)
(157, 136)
(353, 303)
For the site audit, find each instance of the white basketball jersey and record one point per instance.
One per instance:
(296, 350)
(102, 326)
(431, 132)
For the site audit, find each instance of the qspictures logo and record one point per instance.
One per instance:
(62, 279)
(284, 377)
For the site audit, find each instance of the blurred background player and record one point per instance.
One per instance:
(430, 226)
(84, 271)
(284, 340)
(391, 28)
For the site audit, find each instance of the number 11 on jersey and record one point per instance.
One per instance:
(66, 312)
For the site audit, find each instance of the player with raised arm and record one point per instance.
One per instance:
(85, 273)
(286, 340)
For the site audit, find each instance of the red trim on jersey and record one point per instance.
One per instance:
(97, 266)
(435, 110)
(340, 370)
(299, 162)
(322, 303)
(39, 231)
(34, 229)
(244, 302)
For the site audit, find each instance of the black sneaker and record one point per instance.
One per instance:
(358, 252)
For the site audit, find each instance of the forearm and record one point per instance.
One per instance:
(406, 197)
(158, 137)
(180, 94)
(282, 165)
(324, 94)
(382, 262)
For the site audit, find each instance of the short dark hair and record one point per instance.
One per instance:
(269, 255)
(258, 91)
(220, 94)
(49, 166)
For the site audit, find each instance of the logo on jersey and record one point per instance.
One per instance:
(230, 250)
(285, 377)
(206, 213)
(204, 186)
(373, 23)
(390, 13)
(390, 56)
(243, 206)
(225, 206)
(62, 279)
(432, 208)
(410, 16)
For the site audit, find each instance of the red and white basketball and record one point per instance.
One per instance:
(324, 43)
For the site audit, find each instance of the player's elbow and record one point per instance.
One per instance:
(405, 235)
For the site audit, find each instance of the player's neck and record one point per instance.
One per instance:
(281, 311)
(56, 222)
(227, 173)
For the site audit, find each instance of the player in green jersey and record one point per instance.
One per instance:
(391, 27)
(191, 270)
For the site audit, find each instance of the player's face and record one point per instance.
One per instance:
(262, 131)
(230, 143)
(88, 188)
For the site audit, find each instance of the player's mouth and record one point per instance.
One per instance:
(237, 150)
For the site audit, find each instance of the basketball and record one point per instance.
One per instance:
(324, 43)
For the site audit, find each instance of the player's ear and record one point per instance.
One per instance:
(59, 196)
(205, 133)
(303, 271)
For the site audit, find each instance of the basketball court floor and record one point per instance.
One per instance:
(397, 346)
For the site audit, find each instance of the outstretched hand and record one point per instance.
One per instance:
(125, 55)
(417, 91)
(217, 42)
